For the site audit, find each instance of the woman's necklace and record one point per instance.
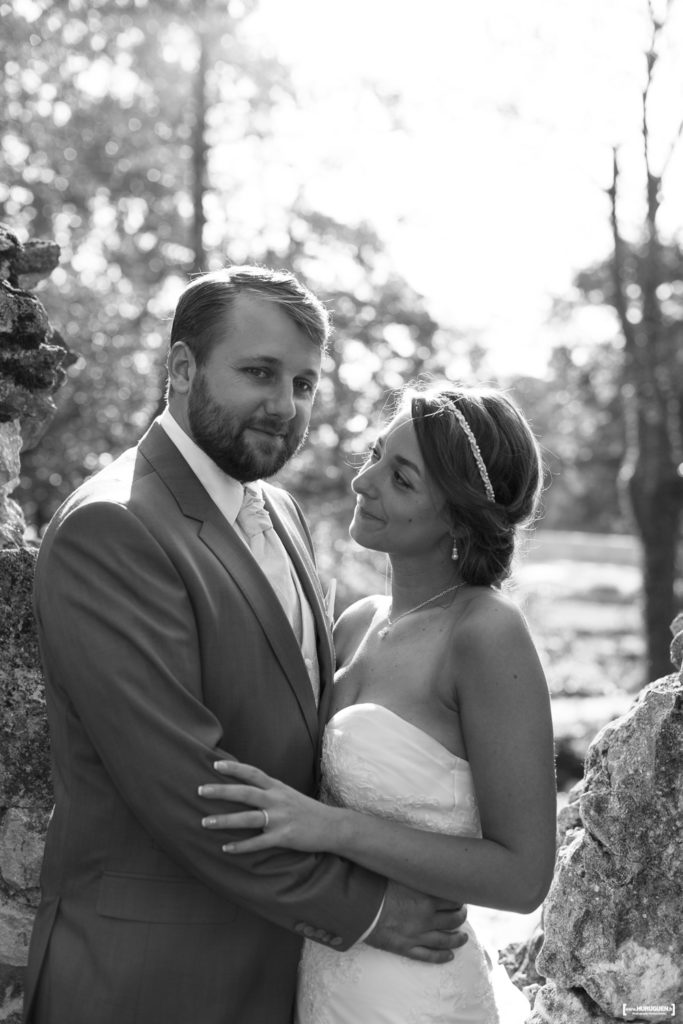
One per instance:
(392, 622)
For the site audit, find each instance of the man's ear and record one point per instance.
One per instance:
(181, 368)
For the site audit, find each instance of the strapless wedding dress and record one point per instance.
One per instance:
(376, 762)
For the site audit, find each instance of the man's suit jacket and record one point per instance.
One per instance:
(164, 648)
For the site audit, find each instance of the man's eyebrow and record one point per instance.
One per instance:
(248, 357)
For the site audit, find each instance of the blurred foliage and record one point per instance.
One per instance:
(101, 150)
(576, 413)
(97, 150)
(589, 434)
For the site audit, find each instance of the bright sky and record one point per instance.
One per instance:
(487, 182)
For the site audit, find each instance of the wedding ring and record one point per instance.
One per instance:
(264, 812)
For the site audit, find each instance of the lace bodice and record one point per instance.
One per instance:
(366, 751)
(376, 762)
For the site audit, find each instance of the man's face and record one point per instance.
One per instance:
(250, 404)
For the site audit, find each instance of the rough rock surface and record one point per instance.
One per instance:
(24, 746)
(25, 781)
(33, 358)
(612, 920)
(32, 362)
(610, 933)
(11, 517)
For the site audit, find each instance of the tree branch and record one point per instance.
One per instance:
(619, 271)
(652, 57)
(652, 180)
(199, 144)
(672, 148)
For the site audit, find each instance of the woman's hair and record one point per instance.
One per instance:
(205, 306)
(477, 446)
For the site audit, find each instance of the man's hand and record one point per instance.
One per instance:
(418, 926)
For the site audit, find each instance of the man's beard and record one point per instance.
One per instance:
(221, 437)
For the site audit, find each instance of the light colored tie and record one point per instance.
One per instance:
(268, 550)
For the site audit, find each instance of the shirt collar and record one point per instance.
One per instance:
(224, 490)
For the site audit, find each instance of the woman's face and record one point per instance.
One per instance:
(398, 508)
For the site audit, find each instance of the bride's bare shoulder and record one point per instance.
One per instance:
(486, 609)
(353, 624)
(487, 614)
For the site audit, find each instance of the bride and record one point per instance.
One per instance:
(438, 755)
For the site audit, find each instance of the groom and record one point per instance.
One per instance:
(178, 625)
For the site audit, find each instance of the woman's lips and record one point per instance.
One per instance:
(368, 515)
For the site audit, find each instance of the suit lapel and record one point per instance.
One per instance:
(217, 534)
(291, 536)
(258, 593)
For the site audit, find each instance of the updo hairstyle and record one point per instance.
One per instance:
(483, 529)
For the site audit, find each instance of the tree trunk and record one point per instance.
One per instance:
(652, 434)
(199, 149)
(654, 495)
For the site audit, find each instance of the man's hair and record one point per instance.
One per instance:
(205, 306)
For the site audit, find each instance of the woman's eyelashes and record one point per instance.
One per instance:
(375, 454)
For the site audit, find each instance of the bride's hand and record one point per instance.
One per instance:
(286, 817)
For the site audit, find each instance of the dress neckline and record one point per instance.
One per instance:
(405, 722)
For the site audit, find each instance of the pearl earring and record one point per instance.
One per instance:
(454, 552)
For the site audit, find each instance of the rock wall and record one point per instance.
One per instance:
(612, 947)
(32, 362)
(33, 358)
(25, 788)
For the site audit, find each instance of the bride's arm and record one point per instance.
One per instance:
(504, 709)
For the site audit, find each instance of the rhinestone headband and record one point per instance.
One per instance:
(485, 479)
